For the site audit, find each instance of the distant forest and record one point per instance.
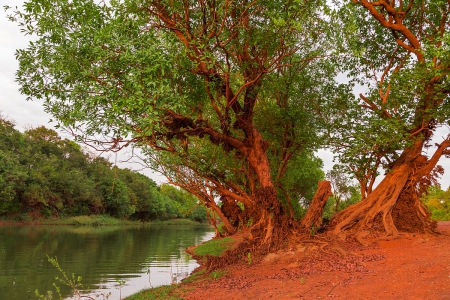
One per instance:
(43, 175)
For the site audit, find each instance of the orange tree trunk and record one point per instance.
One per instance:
(313, 217)
(391, 203)
(267, 213)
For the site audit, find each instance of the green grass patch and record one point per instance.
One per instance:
(214, 247)
(170, 292)
(93, 220)
(195, 276)
(217, 274)
(176, 222)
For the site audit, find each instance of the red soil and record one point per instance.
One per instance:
(411, 267)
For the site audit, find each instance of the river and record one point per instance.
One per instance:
(117, 260)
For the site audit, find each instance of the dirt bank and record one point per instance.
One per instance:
(411, 267)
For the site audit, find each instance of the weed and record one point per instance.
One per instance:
(312, 231)
(249, 258)
(120, 282)
(148, 265)
(217, 274)
(174, 247)
(74, 283)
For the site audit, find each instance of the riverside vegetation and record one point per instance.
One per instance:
(52, 180)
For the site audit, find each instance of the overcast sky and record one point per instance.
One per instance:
(31, 114)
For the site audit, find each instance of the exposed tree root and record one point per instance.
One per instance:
(339, 250)
(380, 202)
(360, 236)
(394, 204)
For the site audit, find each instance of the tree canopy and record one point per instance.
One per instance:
(222, 95)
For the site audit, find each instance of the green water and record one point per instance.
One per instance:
(141, 256)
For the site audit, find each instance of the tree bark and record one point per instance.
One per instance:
(376, 208)
(394, 202)
(313, 218)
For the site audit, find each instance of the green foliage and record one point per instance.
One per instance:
(438, 202)
(214, 247)
(217, 94)
(44, 176)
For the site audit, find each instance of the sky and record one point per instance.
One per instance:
(28, 114)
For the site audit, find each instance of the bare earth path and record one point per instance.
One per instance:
(412, 267)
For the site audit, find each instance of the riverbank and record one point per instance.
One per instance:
(95, 220)
(410, 267)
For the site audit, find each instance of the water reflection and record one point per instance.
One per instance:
(140, 256)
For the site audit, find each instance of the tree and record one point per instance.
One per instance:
(438, 202)
(400, 53)
(12, 172)
(340, 184)
(223, 94)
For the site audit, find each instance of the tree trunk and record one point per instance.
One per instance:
(376, 207)
(230, 228)
(393, 202)
(313, 218)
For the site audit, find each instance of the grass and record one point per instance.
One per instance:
(195, 276)
(214, 247)
(169, 292)
(217, 274)
(176, 222)
(92, 220)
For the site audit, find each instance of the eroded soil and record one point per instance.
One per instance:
(411, 267)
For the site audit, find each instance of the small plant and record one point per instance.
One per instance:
(120, 282)
(173, 247)
(249, 258)
(148, 265)
(302, 281)
(217, 274)
(74, 283)
(312, 231)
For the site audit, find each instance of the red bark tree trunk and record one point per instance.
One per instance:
(377, 208)
(313, 218)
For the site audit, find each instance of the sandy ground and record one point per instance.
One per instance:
(411, 267)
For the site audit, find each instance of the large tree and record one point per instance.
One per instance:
(222, 94)
(400, 54)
